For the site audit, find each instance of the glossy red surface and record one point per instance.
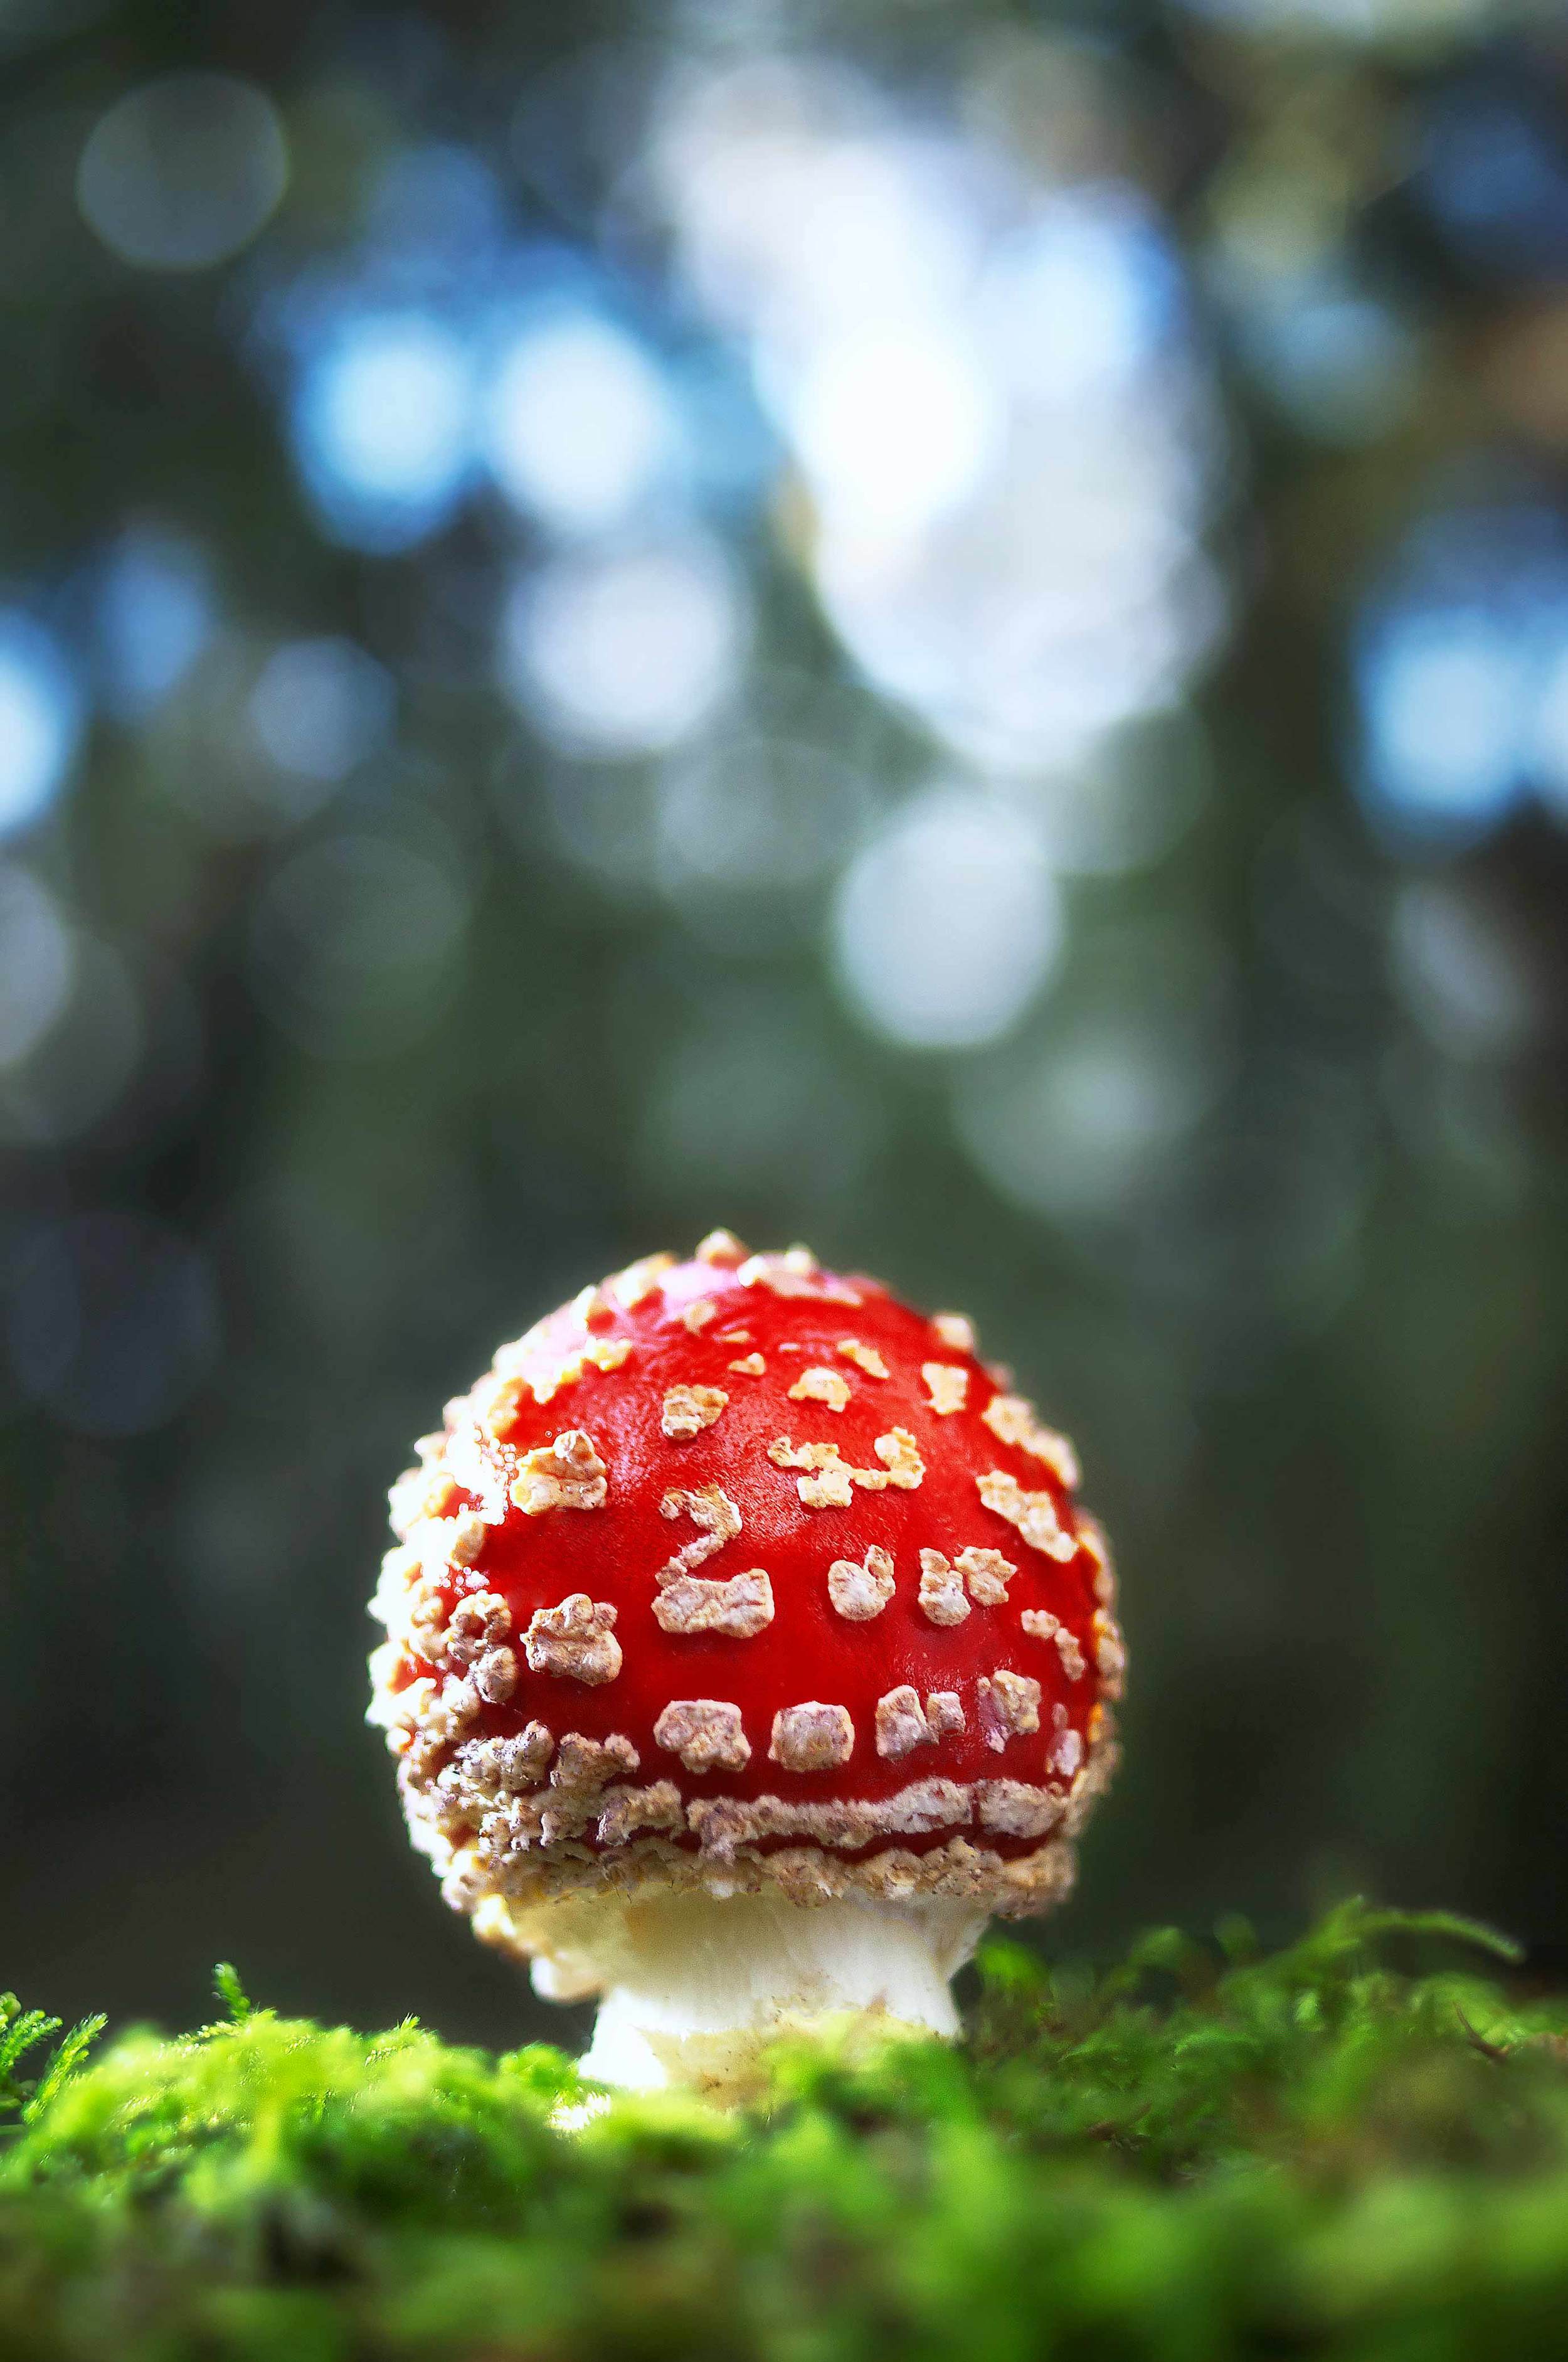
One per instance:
(809, 1651)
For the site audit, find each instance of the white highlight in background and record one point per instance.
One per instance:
(626, 652)
(578, 428)
(894, 428)
(948, 921)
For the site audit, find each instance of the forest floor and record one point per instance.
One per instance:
(1356, 2147)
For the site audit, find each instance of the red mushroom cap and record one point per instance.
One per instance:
(734, 1573)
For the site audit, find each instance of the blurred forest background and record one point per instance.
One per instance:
(941, 629)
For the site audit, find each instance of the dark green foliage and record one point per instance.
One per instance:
(1203, 2153)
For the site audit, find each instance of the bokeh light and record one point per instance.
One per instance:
(156, 613)
(1459, 974)
(752, 813)
(320, 707)
(37, 962)
(1459, 666)
(1079, 1130)
(624, 652)
(182, 173)
(1343, 364)
(894, 428)
(383, 428)
(988, 385)
(1494, 168)
(40, 719)
(947, 920)
(579, 428)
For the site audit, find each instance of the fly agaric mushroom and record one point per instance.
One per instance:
(747, 1653)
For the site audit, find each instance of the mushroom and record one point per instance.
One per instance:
(746, 1653)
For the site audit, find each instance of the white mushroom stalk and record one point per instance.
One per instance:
(695, 1987)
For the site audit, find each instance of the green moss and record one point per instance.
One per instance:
(1350, 2148)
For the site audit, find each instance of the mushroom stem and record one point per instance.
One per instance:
(694, 1984)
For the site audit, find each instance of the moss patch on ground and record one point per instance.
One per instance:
(1355, 2147)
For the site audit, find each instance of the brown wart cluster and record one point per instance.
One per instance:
(590, 1687)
